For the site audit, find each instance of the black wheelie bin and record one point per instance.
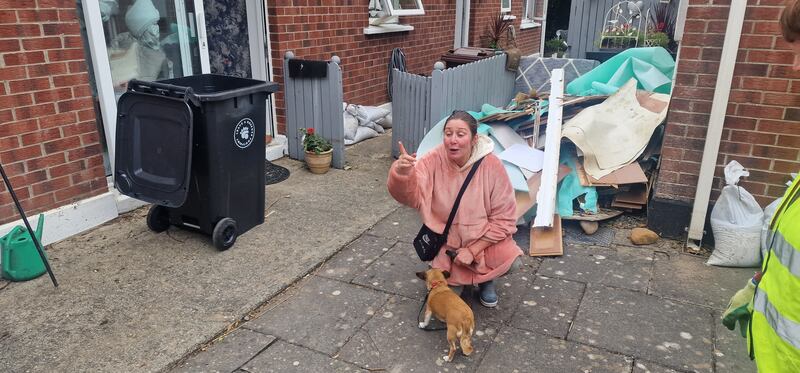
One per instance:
(194, 148)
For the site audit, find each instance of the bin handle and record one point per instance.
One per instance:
(161, 88)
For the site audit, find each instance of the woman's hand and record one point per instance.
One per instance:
(405, 162)
(464, 257)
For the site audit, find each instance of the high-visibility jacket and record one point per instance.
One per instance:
(774, 333)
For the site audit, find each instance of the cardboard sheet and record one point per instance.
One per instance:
(629, 174)
(614, 133)
(524, 156)
(526, 200)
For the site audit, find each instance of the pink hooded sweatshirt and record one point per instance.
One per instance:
(486, 211)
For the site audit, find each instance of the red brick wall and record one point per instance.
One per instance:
(49, 143)
(762, 126)
(482, 14)
(316, 29)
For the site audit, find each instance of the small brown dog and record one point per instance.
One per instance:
(448, 307)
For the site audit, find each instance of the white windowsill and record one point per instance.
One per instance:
(527, 23)
(386, 28)
(509, 17)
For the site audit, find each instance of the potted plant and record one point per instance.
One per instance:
(555, 47)
(499, 32)
(319, 151)
(661, 30)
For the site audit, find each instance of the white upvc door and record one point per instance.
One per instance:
(145, 40)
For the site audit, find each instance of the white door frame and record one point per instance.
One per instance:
(461, 38)
(261, 52)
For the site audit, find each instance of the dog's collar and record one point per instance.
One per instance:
(436, 283)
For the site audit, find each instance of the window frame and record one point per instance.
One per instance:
(529, 10)
(505, 10)
(389, 9)
(529, 15)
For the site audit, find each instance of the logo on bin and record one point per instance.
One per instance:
(244, 133)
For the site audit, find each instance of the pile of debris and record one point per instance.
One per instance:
(589, 154)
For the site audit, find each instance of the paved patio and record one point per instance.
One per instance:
(605, 306)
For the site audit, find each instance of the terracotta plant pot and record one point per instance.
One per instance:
(319, 163)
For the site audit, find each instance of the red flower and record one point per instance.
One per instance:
(310, 131)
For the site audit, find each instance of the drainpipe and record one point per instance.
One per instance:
(719, 107)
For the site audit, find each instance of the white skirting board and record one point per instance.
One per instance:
(71, 219)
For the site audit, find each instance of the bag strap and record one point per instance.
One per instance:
(458, 199)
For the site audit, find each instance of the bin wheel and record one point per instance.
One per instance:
(158, 218)
(224, 235)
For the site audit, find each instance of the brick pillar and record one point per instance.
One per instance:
(762, 126)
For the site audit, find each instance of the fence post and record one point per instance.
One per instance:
(292, 128)
(335, 112)
(437, 100)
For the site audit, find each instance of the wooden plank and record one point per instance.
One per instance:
(547, 193)
(547, 241)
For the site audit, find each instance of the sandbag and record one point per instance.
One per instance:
(362, 133)
(736, 221)
(350, 126)
(367, 114)
(386, 122)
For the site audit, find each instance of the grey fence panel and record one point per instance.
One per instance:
(315, 103)
(421, 102)
(292, 126)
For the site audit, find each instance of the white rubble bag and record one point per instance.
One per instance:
(736, 221)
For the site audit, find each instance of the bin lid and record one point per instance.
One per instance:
(216, 87)
(153, 148)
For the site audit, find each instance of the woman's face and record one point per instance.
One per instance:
(458, 141)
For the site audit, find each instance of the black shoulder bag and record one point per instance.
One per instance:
(427, 243)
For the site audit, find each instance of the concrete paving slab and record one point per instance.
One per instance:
(522, 351)
(394, 272)
(687, 278)
(322, 315)
(621, 267)
(731, 350)
(573, 234)
(511, 291)
(393, 342)
(132, 301)
(523, 239)
(641, 366)
(402, 225)
(669, 333)
(549, 307)
(284, 357)
(228, 354)
(356, 257)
